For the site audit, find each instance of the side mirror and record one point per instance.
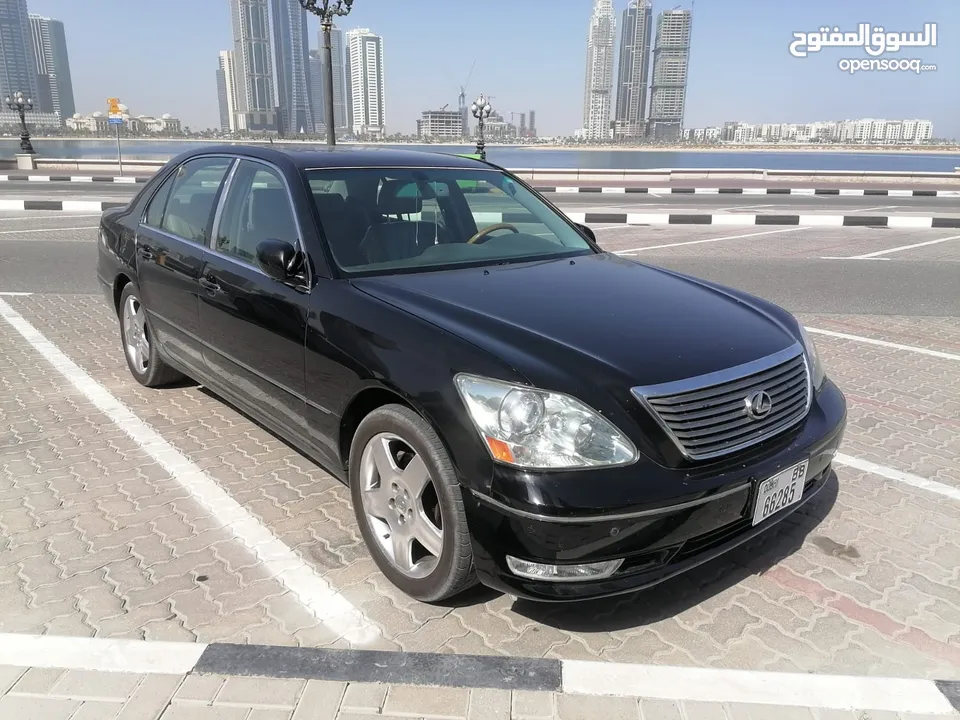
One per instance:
(587, 231)
(278, 259)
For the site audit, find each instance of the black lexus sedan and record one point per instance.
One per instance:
(508, 403)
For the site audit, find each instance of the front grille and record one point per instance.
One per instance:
(708, 416)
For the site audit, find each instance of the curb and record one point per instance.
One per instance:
(854, 192)
(575, 677)
(125, 179)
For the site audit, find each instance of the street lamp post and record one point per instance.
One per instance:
(481, 111)
(326, 11)
(20, 104)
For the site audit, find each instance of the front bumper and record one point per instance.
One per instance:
(657, 539)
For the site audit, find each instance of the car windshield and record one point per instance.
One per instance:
(389, 220)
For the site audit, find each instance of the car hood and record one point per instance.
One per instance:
(645, 324)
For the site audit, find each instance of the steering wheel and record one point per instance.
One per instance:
(489, 229)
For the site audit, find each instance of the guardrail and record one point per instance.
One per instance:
(548, 175)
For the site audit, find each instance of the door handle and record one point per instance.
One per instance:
(209, 282)
(146, 252)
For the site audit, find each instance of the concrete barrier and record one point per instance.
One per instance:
(599, 175)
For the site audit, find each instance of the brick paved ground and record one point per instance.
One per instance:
(98, 540)
(45, 694)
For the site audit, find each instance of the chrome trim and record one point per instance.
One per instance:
(334, 168)
(718, 378)
(612, 517)
(221, 202)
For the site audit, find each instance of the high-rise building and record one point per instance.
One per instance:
(633, 71)
(18, 65)
(253, 70)
(364, 70)
(227, 91)
(317, 98)
(533, 123)
(446, 124)
(55, 85)
(339, 89)
(598, 83)
(671, 60)
(292, 51)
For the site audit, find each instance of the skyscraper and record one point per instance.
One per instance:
(18, 65)
(598, 83)
(339, 89)
(671, 60)
(317, 98)
(634, 70)
(292, 48)
(227, 91)
(253, 69)
(364, 72)
(55, 86)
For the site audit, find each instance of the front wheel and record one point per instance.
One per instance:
(139, 345)
(408, 504)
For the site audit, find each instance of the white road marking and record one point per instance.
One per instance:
(16, 294)
(879, 207)
(901, 248)
(99, 654)
(695, 684)
(707, 240)
(288, 568)
(906, 478)
(36, 230)
(883, 343)
(747, 207)
(59, 214)
(831, 257)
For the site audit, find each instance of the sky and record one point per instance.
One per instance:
(161, 57)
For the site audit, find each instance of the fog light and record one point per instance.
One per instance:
(562, 573)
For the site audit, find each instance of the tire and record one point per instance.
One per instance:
(406, 436)
(148, 368)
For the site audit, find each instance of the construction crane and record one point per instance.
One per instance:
(462, 98)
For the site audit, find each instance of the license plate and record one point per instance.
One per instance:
(781, 491)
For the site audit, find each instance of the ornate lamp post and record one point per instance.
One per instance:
(20, 105)
(326, 11)
(481, 111)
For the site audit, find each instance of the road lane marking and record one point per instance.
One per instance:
(746, 207)
(59, 215)
(834, 257)
(707, 240)
(884, 343)
(715, 685)
(878, 207)
(901, 248)
(35, 230)
(899, 476)
(99, 654)
(283, 564)
(15, 294)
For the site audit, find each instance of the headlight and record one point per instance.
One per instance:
(817, 372)
(532, 428)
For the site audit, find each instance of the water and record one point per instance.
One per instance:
(528, 157)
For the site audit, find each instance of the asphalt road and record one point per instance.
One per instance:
(56, 253)
(591, 202)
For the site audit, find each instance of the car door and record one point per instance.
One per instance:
(253, 326)
(171, 240)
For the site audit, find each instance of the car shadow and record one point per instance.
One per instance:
(688, 590)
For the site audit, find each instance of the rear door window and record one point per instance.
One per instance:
(190, 207)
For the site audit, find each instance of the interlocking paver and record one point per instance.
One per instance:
(84, 684)
(36, 708)
(878, 588)
(199, 689)
(438, 702)
(366, 698)
(267, 692)
(533, 705)
(581, 707)
(97, 710)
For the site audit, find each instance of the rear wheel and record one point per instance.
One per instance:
(139, 347)
(408, 504)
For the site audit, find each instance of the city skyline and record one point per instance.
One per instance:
(709, 101)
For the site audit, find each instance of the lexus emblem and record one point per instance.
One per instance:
(759, 404)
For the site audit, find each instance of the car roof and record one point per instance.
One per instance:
(341, 156)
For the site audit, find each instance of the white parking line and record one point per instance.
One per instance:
(55, 215)
(901, 248)
(879, 207)
(906, 478)
(36, 230)
(883, 343)
(707, 240)
(15, 294)
(288, 568)
(747, 207)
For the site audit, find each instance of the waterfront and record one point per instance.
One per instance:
(538, 157)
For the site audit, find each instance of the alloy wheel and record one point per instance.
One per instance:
(136, 338)
(401, 505)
